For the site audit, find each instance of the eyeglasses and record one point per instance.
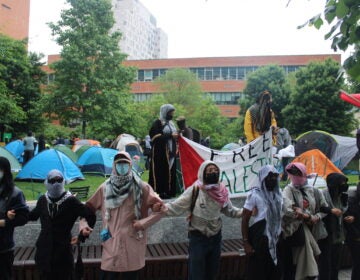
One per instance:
(55, 180)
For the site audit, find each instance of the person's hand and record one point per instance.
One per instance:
(314, 220)
(86, 231)
(137, 225)
(248, 249)
(299, 215)
(349, 219)
(175, 135)
(336, 211)
(156, 207)
(74, 240)
(11, 214)
(254, 211)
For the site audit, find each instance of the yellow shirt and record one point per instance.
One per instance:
(250, 132)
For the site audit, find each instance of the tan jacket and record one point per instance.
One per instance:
(124, 251)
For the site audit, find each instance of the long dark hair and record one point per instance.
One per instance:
(6, 182)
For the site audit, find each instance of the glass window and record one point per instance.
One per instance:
(155, 73)
(148, 75)
(200, 73)
(232, 73)
(208, 74)
(224, 73)
(240, 73)
(216, 73)
(141, 75)
(51, 78)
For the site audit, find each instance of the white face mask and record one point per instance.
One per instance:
(1, 174)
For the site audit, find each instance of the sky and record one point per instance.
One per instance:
(213, 28)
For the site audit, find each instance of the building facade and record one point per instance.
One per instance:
(224, 78)
(141, 38)
(14, 18)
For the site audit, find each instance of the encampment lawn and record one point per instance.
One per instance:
(32, 190)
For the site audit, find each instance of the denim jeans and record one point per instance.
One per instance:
(204, 256)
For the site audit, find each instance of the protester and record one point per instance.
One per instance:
(336, 197)
(352, 225)
(259, 117)
(301, 212)
(29, 147)
(183, 128)
(206, 199)
(283, 140)
(124, 201)
(58, 210)
(147, 151)
(42, 143)
(163, 133)
(261, 239)
(13, 212)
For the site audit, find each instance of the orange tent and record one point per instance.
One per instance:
(316, 162)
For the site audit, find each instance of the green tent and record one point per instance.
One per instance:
(15, 165)
(82, 149)
(67, 151)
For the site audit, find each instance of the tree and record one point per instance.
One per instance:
(343, 17)
(91, 84)
(20, 80)
(272, 78)
(315, 103)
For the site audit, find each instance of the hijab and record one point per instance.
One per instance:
(299, 180)
(218, 191)
(273, 201)
(261, 112)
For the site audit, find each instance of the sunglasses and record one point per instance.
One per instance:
(294, 171)
(55, 180)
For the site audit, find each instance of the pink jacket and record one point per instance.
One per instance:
(124, 251)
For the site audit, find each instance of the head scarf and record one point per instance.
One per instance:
(56, 189)
(147, 142)
(334, 181)
(273, 201)
(297, 181)
(261, 112)
(217, 192)
(118, 187)
(168, 129)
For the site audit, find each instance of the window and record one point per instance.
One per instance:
(232, 73)
(208, 74)
(224, 73)
(225, 98)
(201, 73)
(148, 75)
(139, 97)
(50, 78)
(156, 73)
(141, 75)
(240, 73)
(216, 73)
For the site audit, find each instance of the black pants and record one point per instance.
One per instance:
(27, 156)
(111, 275)
(288, 269)
(328, 260)
(57, 273)
(355, 255)
(6, 263)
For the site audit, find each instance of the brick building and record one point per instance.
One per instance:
(224, 78)
(14, 18)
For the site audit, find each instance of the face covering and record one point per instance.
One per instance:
(169, 117)
(271, 182)
(212, 178)
(298, 181)
(1, 174)
(55, 188)
(343, 187)
(122, 168)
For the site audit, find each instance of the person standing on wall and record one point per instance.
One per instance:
(29, 147)
(163, 133)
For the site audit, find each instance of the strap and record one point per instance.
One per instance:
(195, 194)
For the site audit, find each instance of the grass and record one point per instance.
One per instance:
(32, 190)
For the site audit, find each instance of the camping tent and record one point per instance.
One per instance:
(339, 149)
(128, 143)
(97, 160)
(81, 150)
(67, 151)
(15, 165)
(230, 147)
(16, 148)
(85, 142)
(39, 166)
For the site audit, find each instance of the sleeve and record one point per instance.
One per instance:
(96, 200)
(250, 202)
(323, 207)
(249, 134)
(36, 211)
(84, 211)
(288, 203)
(21, 211)
(231, 211)
(181, 204)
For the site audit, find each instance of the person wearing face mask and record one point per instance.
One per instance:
(124, 202)
(337, 198)
(205, 200)
(58, 210)
(261, 238)
(352, 225)
(301, 212)
(163, 133)
(259, 117)
(13, 212)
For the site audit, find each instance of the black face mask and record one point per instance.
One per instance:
(169, 117)
(343, 187)
(271, 182)
(211, 178)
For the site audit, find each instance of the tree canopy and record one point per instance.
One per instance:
(91, 83)
(315, 103)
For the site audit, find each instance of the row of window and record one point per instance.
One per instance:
(220, 98)
(210, 73)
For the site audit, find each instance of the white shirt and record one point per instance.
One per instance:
(254, 200)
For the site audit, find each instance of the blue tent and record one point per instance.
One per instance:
(40, 165)
(97, 160)
(16, 148)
